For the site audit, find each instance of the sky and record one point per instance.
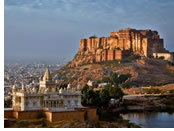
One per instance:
(53, 28)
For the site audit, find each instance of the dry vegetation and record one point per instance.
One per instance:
(41, 123)
(145, 72)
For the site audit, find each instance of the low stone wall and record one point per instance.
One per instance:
(70, 115)
(78, 114)
(90, 112)
(27, 115)
(21, 115)
(8, 114)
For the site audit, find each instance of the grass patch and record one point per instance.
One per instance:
(130, 58)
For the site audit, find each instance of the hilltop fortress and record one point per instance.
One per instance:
(119, 44)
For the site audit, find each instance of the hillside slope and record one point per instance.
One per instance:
(144, 72)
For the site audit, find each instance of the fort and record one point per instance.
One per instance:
(119, 44)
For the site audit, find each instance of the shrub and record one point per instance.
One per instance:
(106, 80)
(85, 69)
(7, 102)
(153, 91)
(126, 85)
(114, 91)
(161, 57)
(122, 78)
(104, 97)
(130, 58)
(118, 79)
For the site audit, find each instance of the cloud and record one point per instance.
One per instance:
(85, 6)
(39, 22)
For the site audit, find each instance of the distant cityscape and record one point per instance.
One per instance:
(27, 74)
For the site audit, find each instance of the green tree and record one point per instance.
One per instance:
(97, 99)
(114, 91)
(104, 97)
(84, 99)
(106, 80)
(8, 102)
(122, 78)
(126, 84)
(113, 77)
(98, 81)
(85, 88)
(90, 97)
(84, 95)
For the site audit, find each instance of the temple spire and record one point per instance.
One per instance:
(47, 75)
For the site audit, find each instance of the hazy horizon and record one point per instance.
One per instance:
(53, 29)
(35, 60)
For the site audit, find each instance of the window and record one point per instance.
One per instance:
(26, 104)
(76, 102)
(34, 103)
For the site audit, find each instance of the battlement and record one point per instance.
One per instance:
(125, 39)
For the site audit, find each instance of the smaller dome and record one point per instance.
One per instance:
(14, 87)
(23, 87)
(69, 86)
(60, 91)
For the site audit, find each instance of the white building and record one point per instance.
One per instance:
(48, 97)
(167, 56)
(90, 83)
(102, 84)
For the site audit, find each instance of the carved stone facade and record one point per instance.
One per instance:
(48, 97)
(117, 46)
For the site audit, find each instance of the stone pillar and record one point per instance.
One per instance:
(49, 103)
(22, 103)
(46, 104)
